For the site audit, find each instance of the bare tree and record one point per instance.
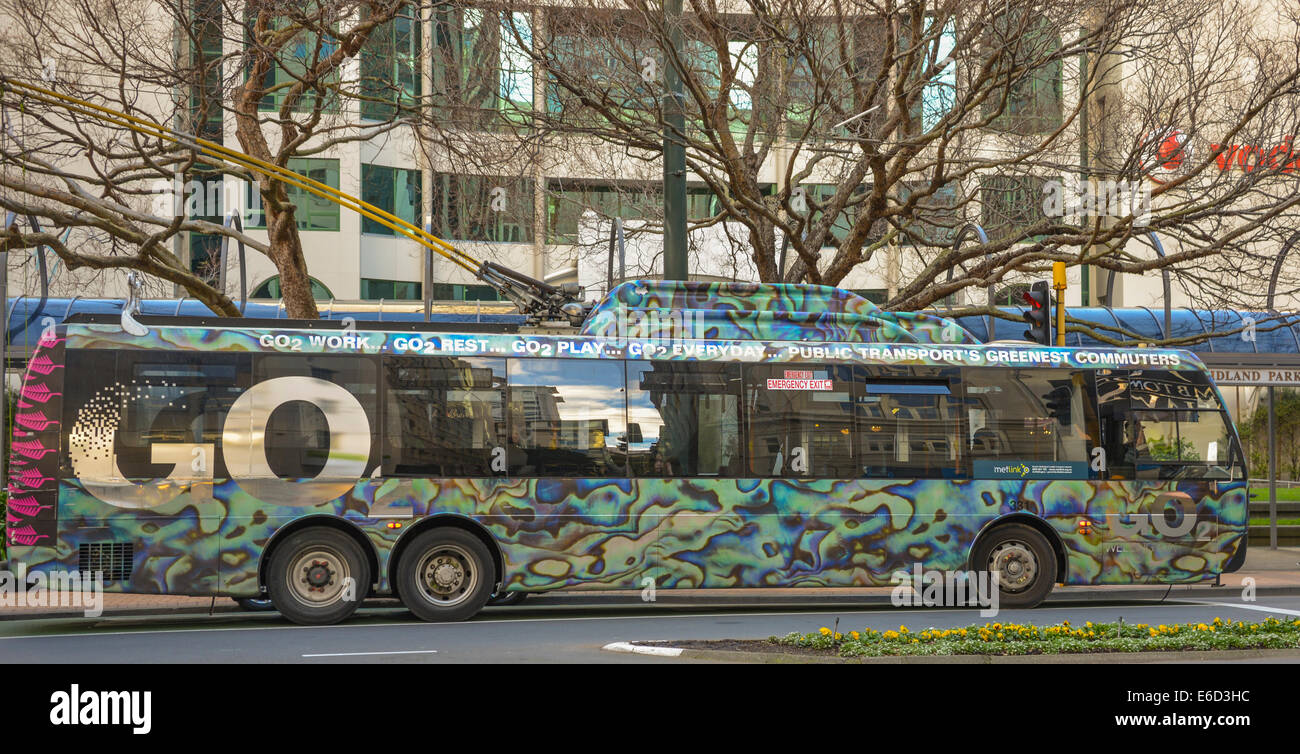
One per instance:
(282, 71)
(849, 130)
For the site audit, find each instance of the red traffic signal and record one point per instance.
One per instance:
(1039, 316)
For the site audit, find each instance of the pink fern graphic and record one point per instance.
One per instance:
(43, 364)
(35, 391)
(27, 506)
(33, 449)
(25, 536)
(30, 478)
(34, 421)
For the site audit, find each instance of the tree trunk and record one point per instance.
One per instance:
(286, 253)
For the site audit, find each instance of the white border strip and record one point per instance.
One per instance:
(361, 654)
(623, 646)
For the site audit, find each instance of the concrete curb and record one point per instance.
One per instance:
(1095, 658)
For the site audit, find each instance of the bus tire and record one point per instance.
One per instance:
(445, 575)
(318, 576)
(1025, 563)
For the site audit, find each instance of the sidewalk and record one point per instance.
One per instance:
(1275, 572)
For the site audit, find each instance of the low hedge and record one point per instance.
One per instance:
(1061, 638)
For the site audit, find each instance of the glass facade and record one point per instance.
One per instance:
(313, 212)
(394, 190)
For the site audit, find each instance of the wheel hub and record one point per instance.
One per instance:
(447, 575)
(318, 575)
(1015, 565)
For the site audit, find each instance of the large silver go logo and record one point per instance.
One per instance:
(243, 440)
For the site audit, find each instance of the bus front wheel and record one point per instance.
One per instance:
(445, 575)
(318, 576)
(1024, 561)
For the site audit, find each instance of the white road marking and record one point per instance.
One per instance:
(1184, 604)
(622, 646)
(360, 654)
(1244, 606)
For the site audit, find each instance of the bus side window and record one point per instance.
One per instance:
(565, 418)
(800, 420)
(1018, 415)
(683, 419)
(911, 424)
(444, 417)
(297, 435)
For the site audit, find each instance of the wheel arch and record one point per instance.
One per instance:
(445, 520)
(322, 520)
(1034, 522)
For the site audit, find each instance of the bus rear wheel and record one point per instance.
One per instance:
(445, 575)
(318, 576)
(1024, 561)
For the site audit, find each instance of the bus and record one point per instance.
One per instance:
(317, 465)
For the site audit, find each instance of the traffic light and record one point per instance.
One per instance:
(1058, 404)
(1039, 315)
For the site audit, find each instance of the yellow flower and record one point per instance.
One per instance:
(1217, 621)
(902, 629)
(1000, 636)
(838, 636)
(855, 635)
(824, 631)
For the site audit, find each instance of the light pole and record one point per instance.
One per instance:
(674, 149)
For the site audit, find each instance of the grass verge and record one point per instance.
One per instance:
(1061, 638)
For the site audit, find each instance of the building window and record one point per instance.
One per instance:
(607, 50)
(294, 62)
(205, 57)
(394, 190)
(313, 213)
(457, 292)
(400, 290)
(1011, 205)
(568, 201)
(936, 218)
(482, 72)
(390, 72)
(205, 256)
(1033, 104)
(483, 208)
(818, 195)
(270, 288)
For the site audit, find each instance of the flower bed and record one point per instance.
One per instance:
(1061, 638)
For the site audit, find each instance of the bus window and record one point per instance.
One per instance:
(1163, 425)
(800, 421)
(911, 424)
(445, 417)
(298, 437)
(170, 399)
(1022, 415)
(565, 418)
(683, 419)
